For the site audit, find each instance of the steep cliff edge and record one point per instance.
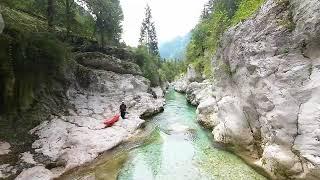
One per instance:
(265, 96)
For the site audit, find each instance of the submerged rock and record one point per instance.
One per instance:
(179, 128)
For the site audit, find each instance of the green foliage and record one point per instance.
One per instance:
(148, 35)
(27, 61)
(109, 16)
(149, 65)
(30, 15)
(171, 69)
(205, 40)
(246, 9)
(20, 21)
(217, 17)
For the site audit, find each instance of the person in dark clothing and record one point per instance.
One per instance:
(123, 110)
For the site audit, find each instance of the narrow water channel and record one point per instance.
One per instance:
(178, 149)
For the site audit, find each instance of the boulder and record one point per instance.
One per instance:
(181, 84)
(193, 75)
(158, 92)
(196, 92)
(207, 113)
(101, 61)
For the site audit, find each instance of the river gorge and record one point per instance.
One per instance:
(176, 147)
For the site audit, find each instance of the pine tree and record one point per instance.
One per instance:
(208, 9)
(108, 15)
(148, 35)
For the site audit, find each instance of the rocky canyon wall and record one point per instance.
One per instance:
(264, 99)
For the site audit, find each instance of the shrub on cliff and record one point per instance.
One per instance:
(245, 10)
(217, 17)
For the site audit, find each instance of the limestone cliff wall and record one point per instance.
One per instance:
(265, 97)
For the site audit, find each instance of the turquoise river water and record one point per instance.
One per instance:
(176, 148)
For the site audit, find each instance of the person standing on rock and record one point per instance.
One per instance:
(123, 110)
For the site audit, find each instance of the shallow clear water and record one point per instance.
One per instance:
(177, 149)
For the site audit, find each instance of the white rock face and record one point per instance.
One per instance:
(27, 157)
(4, 148)
(193, 75)
(35, 173)
(183, 82)
(159, 92)
(81, 136)
(197, 92)
(268, 105)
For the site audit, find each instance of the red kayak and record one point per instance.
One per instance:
(110, 122)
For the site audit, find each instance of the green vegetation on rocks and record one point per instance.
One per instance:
(149, 65)
(217, 17)
(245, 10)
(170, 69)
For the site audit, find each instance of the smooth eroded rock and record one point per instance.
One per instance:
(4, 148)
(72, 140)
(35, 173)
